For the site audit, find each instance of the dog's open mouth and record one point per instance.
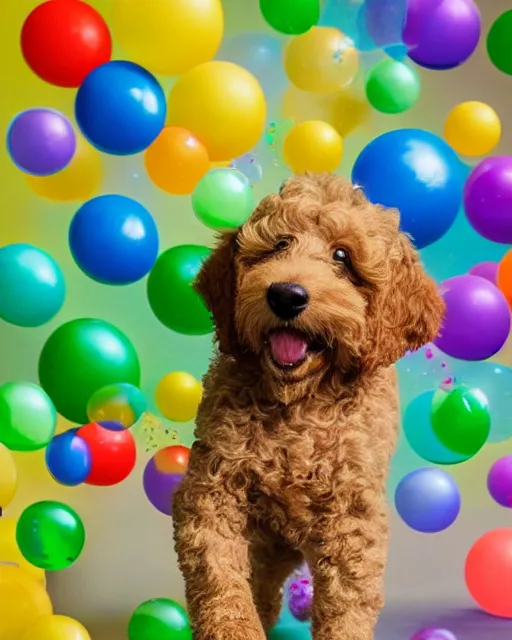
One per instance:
(289, 348)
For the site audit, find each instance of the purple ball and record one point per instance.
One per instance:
(487, 270)
(476, 322)
(160, 487)
(433, 634)
(428, 500)
(441, 34)
(300, 598)
(488, 199)
(499, 481)
(41, 141)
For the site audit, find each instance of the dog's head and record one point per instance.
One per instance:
(317, 279)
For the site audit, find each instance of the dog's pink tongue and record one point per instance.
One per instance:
(287, 347)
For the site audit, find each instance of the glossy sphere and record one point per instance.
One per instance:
(120, 108)
(472, 128)
(160, 487)
(159, 619)
(291, 17)
(489, 572)
(499, 481)
(313, 146)
(82, 356)
(68, 458)
(488, 199)
(476, 323)
(27, 416)
(223, 199)
(428, 500)
(114, 240)
(63, 41)
(430, 178)
(123, 403)
(32, 286)
(172, 459)
(171, 296)
(223, 105)
(57, 628)
(113, 454)
(300, 598)
(50, 535)
(433, 634)
(321, 61)
(443, 35)
(41, 141)
(176, 161)
(392, 87)
(461, 419)
(498, 42)
(178, 395)
(22, 601)
(145, 32)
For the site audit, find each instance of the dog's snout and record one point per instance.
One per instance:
(287, 299)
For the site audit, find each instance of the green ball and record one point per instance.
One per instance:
(81, 357)
(50, 535)
(159, 619)
(292, 17)
(499, 43)
(460, 419)
(392, 86)
(170, 290)
(223, 199)
(27, 416)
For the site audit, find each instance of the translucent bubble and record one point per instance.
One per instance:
(122, 402)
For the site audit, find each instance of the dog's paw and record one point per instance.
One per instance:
(232, 630)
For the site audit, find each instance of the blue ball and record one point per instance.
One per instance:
(114, 240)
(120, 108)
(428, 500)
(417, 173)
(68, 458)
(32, 286)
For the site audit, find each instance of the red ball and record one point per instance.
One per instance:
(113, 453)
(64, 40)
(172, 459)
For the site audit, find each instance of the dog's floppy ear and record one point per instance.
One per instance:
(408, 314)
(216, 283)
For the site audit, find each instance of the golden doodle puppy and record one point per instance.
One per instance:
(314, 298)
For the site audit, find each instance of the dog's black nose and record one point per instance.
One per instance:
(287, 299)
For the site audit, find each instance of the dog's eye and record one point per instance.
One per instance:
(340, 255)
(282, 244)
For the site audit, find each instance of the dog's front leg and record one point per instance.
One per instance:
(213, 556)
(347, 561)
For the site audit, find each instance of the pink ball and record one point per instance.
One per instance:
(487, 270)
(433, 634)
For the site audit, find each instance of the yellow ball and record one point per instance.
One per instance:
(8, 477)
(223, 105)
(169, 36)
(57, 628)
(313, 146)
(80, 180)
(322, 60)
(22, 602)
(10, 552)
(472, 128)
(178, 395)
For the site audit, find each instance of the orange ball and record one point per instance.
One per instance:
(176, 161)
(504, 279)
(172, 459)
(489, 572)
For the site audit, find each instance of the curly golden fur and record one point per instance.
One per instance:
(290, 462)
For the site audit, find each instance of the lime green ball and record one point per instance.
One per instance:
(27, 416)
(499, 43)
(170, 291)
(223, 199)
(159, 619)
(50, 535)
(392, 86)
(292, 17)
(82, 356)
(460, 419)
